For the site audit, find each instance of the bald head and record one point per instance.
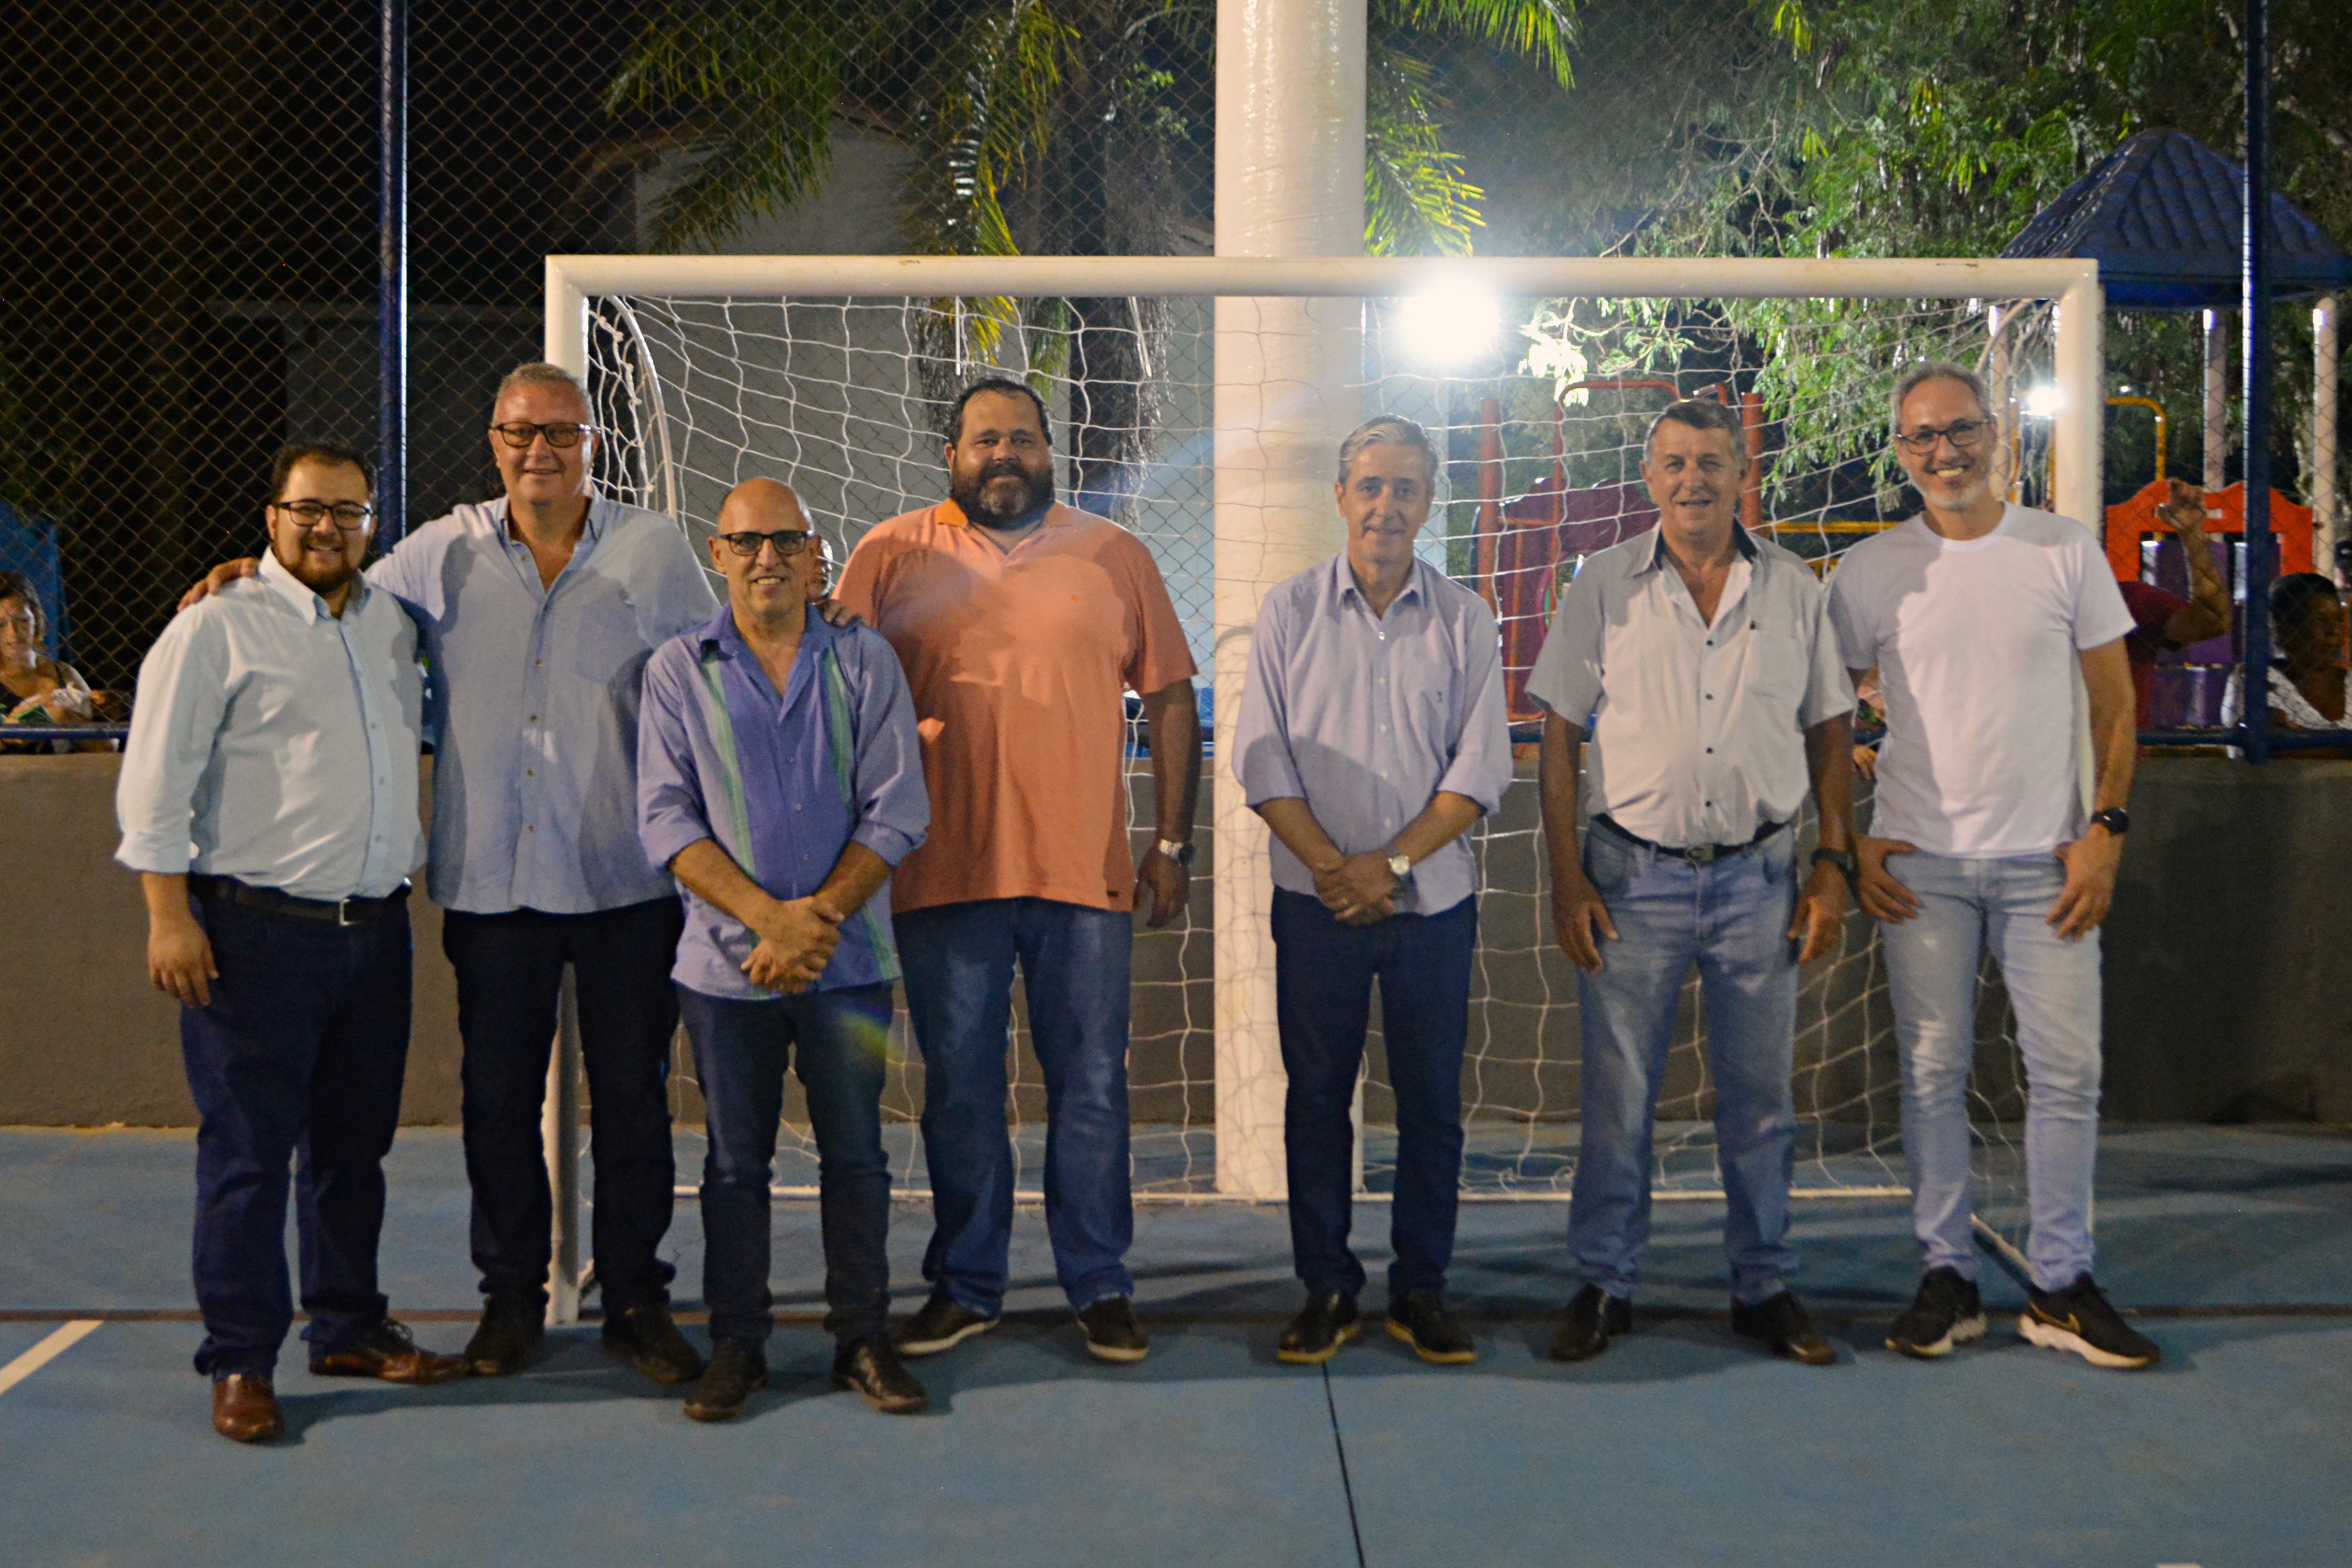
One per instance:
(762, 506)
(768, 550)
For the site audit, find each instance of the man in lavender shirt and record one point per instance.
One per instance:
(779, 779)
(1371, 736)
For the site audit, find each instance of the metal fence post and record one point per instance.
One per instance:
(392, 286)
(2255, 657)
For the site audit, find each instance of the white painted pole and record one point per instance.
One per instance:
(559, 1132)
(2082, 404)
(1290, 184)
(2326, 509)
(2217, 401)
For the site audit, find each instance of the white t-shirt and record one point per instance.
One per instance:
(1975, 644)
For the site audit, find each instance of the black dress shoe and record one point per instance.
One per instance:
(512, 1329)
(1595, 1318)
(1112, 1332)
(871, 1366)
(942, 1324)
(1419, 1318)
(1781, 1322)
(647, 1339)
(1329, 1321)
(738, 1369)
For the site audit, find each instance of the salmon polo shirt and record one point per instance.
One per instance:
(1019, 661)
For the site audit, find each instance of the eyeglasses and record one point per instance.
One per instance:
(351, 516)
(520, 432)
(1964, 434)
(788, 541)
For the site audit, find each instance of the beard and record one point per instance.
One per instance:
(320, 580)
(972, 496)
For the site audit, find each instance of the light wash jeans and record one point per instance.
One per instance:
(1966, 906)
(1730, 918)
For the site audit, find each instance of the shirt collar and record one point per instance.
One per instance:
(950, 515)
(599, 513)
(1343, 580)
(721, 632)
(1654, 557)
(305, 600)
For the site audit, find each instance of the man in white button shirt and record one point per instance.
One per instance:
(1978, 616)
(1702, 660)
(269, 801)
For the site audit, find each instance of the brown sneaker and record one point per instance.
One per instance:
(245, 1409)
(389, 1352)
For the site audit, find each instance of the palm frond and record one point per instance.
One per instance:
(1416, 202)
(1539, 30)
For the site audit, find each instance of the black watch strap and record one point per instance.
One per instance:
(2115, 819)
(1841, 859)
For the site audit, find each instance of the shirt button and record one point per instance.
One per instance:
(1710, 751)
(530, 772)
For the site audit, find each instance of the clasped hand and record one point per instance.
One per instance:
(797, 937)
(1361, 891)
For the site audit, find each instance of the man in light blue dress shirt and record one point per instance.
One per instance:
(269, 801)
(539, 611)
(1372, 736)
(780, 779)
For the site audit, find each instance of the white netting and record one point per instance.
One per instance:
(843, 397)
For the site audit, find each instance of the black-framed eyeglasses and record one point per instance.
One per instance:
(1964, 434)
(787, 541)
(351, 516)
(520, 432)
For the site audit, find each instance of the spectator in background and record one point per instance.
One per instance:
(2162, 621)
(34, 687)
(2307, 628)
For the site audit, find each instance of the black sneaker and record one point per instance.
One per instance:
(512, 1330)
(1781, 1322)
(1112, 1332)
(738, 1369)
(940, 1325)
(1946, 1312)
(871, 1366)
(1419, 1318)
(647, 1339)
(2079, 1319)
(1329, 1321)
(1595, 1318)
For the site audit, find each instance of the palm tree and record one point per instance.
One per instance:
(1054, 127)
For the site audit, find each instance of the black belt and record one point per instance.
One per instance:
(1697, 854)
(270, 902)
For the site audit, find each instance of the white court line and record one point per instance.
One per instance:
(47, 1351)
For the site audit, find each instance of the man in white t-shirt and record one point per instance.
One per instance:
(1977, 615)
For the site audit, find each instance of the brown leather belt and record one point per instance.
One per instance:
(1698, 854)
(270, 902)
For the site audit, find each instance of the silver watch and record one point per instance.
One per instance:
(1400, 863)
(1182, 854)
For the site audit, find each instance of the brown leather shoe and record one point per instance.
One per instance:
(391, 1353)
(245, 1409)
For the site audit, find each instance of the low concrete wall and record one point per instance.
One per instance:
(2226, 998)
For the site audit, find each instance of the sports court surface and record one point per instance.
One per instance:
(1680, 1446)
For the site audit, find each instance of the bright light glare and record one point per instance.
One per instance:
(2045, 401)
(1451, 323)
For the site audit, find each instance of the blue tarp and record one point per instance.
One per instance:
(30, 544)
(2162, 215)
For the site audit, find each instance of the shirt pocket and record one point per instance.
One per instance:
(1779, 665)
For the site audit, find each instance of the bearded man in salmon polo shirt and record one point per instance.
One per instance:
(1022, 624)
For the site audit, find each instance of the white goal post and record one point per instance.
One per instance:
(1284, 393)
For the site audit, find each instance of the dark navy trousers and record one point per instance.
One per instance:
(297, 1060)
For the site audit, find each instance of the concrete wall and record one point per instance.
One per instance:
(2226, 995)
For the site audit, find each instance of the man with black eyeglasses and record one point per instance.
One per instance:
(269, 802)
(539, 611)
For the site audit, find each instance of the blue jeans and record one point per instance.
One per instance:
(298, 1056)
(1323, 975)
(1730, 918)
(959, 960)
(1965, 907)
(839, 1041)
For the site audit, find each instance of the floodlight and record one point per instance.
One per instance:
(2045, 401)
(1451, 323)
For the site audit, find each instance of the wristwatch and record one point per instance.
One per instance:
(1843, 860)
(2115, 819)
(1400, 863)
(1182, 854)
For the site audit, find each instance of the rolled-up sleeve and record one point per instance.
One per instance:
(894, 808)
(1480, 769)
(1567, 674)
(671, 813)
(1262, 759)
(182, 696)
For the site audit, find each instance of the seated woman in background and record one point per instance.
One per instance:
(2307, 628)
(34, 687)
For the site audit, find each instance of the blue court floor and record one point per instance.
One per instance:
(1680, 1446)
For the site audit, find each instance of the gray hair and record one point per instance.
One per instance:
(1387, 430)
(1937, 370)
(539, 372)
(1701, 414)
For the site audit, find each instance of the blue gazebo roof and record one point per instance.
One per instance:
(2162, 216)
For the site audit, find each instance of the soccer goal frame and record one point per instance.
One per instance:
(1285, 391)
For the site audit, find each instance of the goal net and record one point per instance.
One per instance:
(708, 373)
